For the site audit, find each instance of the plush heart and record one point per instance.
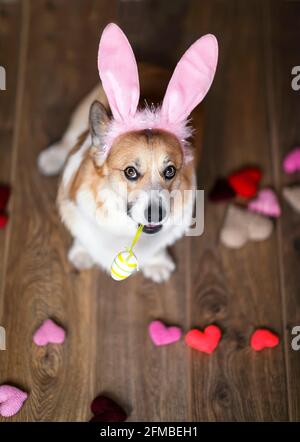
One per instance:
(11, 400)
(49, 333)
(292, 196)
(291, 162)
(4, 196)
(245, 181)
(163, 335)
(206, 341)
(3, 220)
(221, 191)
(107, 410)
(240, 226)
(266, 203)
(263, 338)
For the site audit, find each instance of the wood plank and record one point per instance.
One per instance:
(162, 26)
(157, 378)
(150, 382)
(284, 105)
(10, 25)
(238, 290)
(61, 42)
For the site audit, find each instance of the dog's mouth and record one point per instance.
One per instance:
(151, 228)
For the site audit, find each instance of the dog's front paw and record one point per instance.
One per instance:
(51, 160)
(160, 268)
(80, 258)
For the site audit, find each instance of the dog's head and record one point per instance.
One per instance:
(146, 167)
(145, 154)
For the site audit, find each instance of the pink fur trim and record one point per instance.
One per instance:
(150, 118)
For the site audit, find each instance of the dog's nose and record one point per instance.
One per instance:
(155, 213)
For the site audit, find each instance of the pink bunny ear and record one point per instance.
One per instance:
(118, 72)
(191, 79)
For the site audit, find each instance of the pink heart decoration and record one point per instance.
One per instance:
(291, 162)
(163, 335)
(49, 333)
(11, 400)
(266, 203)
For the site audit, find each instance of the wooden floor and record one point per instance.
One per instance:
(48, 48)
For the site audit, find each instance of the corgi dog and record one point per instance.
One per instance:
(125, 165)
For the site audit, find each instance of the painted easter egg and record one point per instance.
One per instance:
(124, 265)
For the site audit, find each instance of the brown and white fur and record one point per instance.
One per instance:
(101, 222)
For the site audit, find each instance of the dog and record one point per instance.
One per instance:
(122, 163)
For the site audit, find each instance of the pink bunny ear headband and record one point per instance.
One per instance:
(188, 86)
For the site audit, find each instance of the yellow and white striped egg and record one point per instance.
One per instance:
(124, 265)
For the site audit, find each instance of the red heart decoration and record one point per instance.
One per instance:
(263, 338)
(221, 191)
(245, 181)
(3, 220)
(4, 196)
(206, 341)
(107, 410)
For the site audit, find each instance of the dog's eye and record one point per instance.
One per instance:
(169, 172)
(131, 173)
